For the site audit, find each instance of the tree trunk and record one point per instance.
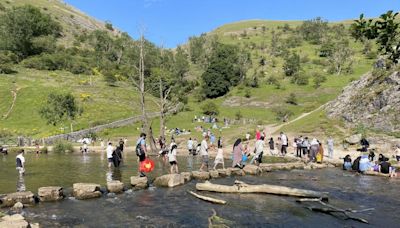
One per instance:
(241, 187)
(209, 199)
(162, 111)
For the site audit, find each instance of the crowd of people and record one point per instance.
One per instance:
(367, 162)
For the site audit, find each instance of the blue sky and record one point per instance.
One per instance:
(171, 22)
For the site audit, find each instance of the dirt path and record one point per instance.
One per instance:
(274, 128)
(14, 94)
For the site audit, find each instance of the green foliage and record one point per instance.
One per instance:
(196, 45)
(210, 108)
(181, 63)
(238, 115)
(292, 64)
(247, 93)
(222, 72)
(313, 30)
(282, 113)
(318, 79)
(109, 26)
(59, 107)
(21, 25)
(300, 79)
(6, 68)
(291, 99)
(63, 147)
(340, 58)
(385, 30)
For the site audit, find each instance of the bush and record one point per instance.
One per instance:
(238, 115)
(300, 79)
(282, 113)
(109, 26)
(247, 93)
(6, 69)
(318, 79)
(210, 108)
(292, 64)
(63, 147)
(291, 99)
(7, 57)
(44, 150)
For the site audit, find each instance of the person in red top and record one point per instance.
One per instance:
(258, 134)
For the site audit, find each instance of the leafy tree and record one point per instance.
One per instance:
(181, 63)
(109, 26)
(196, 47)
(210, 108)
(222, 72)
(292, 64)
(341, 57)
(313, 30)
(59, 107)
(299, 79)
(19, 27)
(385, 30)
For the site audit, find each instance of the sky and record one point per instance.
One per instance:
(169, 23)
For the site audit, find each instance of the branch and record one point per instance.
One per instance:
(208, 199)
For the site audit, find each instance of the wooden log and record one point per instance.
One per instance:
(208, 199)
(241, 187)
(267, 167)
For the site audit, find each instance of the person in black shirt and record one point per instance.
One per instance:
(386, 167)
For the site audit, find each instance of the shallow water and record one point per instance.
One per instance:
(162, 207)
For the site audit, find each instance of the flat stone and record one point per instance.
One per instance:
(15, 217)
(115, 186)
(198, 175)
(139, 182)
(214, 173)
(9, 200)
(237, 171)
(14, 224)
(84, 191)
(252, 170)
(51, 193)
(224, 172)
(187, 176)
(169, 180)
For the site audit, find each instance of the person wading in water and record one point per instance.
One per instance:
(141, 151)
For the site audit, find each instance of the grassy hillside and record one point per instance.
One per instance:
(73, 21)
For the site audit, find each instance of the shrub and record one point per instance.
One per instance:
(109, 26)
(291, 99)
(238, 115)
(6, 69)
(300, 79)
(63, 147)
(44, 150)
(210, 108)
(247, 93)
(282, 113)
(7, 57)
(318, 79)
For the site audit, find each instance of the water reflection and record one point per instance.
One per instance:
(113, 174)
(21, 183)
(85, 158)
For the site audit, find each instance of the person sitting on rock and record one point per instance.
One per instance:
(364, 144)
(386, 167)
(347, 162)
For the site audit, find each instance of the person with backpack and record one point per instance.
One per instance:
(172, 159)
(141, 151)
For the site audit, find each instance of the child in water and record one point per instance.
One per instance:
(219, 159)
(172, 159)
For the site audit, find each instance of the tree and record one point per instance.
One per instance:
(60, 107)
(291, 99)
(181, 63)
(210, 108)
(385, 30)
(196, 49)
(341, 57)
(292, 64)
(222, 72)
(313, 30)
(19, 26)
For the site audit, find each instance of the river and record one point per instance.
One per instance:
(163, 207)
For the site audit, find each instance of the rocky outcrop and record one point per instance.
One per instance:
(52, 193)
(236, 171)
(16, 221)
(26, 198)
(169, 180)
(187, 176)
(86, 191)
(139, 182)
(373, 101)
(214, 174)
(115, 186)
(224, 172)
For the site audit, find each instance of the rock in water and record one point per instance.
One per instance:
(17, 207)
(52, 193)
(24, 197)
(13, 221)
(252, 170)
(214, 174)
(201, 175)
(83, 191)
(139, 182)
(224, 172)
(169, 180)
(236, 171)
(187, 176)
(115, 186)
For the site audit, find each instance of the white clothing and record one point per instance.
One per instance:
(259, 147)
(190, 145)
(220, 154)
(284, 139)
(204, 148)
(109, 150)
(247, 136)
(172, 155)
(314, 142)
(330, 142)
(22, 159)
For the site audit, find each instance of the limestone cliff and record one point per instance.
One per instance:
(371, 101)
